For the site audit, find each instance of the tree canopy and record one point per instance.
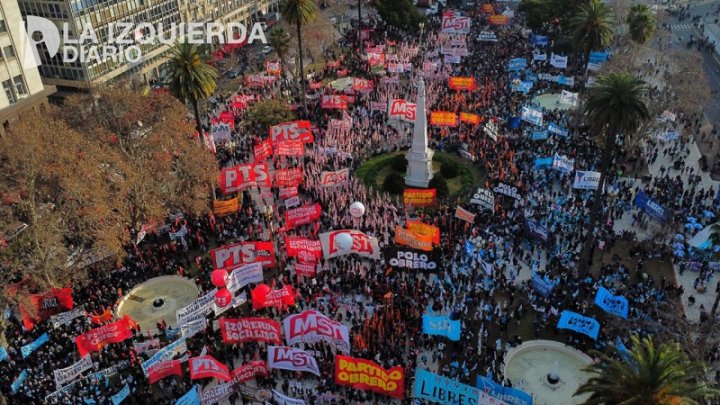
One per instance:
(400, 13)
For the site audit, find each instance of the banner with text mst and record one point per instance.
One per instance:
(243, 330)
(367, 375)
(289, 358)
(442, 390)
(312, 326)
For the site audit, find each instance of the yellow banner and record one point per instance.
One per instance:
(227, 207)
(414, 240)
(425, 230)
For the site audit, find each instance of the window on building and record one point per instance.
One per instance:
(9, 51)
(20, 85)
(8, 87)
(3, 27)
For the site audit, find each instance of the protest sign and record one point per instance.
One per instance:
(402, 258)
(484, 198)
(443, 118)
(439, 389)
(302, 215)
(653, 209)
(236, 254)
(462, 83)
(312, 326)
(208, 367)
(97, 338)
(241, 330)
(441, 325)
(579, 323)
(367, 375)
(613, 304)
(586, 180)
(412, 239)
(158, 371)
(336, 178)
(465, 215)
(29, 348)
(243, 176)
(510, 395)
(288, 358)
(292, 130)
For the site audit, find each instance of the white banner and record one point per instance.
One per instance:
(586, 180)
(142, 347)
(558, 61)
(532, 116)
(220, 131)
(507, 190)
(199, 307)
(244, 275)
(403, 110)
(336, 178)
(484, 198)
(563, 163)
(64, 318)
(67, 374)
(191, 329)
(456, 25)
(288, 358)
(312, 326)
(166, 353)
(487, 36)
(568, 98)
(539, 57)
(281, 399)
(362, 244)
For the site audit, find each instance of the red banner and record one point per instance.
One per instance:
(288, 192)
(302, 215)
(412, 239)
(292, 130)
(336, 178)
(46, 305)
(306, 269)
(158, 371)
(421, 228)
(362, 84)
(306, 250)
(443, 118)
(367, 375)
(263, 150)
(236, 254)
(462, 83)
(290, 148)
(334, 102)
(97, 338)
(418, 197)
(470, 118)
(99, 319)
(315, 85)
(263, 297)
(249, 371)
(403, 110)
(342, 72)
(241, 330)
(208, 367)
(288, 177)
(243, 176)
(499, 19)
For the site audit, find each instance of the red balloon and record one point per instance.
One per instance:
(223, 297)
(219, 278)
(260, 292)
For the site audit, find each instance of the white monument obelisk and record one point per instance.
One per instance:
(419, 157)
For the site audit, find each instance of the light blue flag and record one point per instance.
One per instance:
(190, 397)
(612, 304)
(579, 323)
(557, 130)
(3, 354)
(517, 64)
(442, 326)
(543, 162)
(121, 395)
(442, 390)
(15, 386)
(539, 135)
(598, 57)
(512, 396)
(29, 348)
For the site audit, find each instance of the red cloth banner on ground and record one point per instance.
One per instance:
(249, 371)
(414, 240)
(362, 84)
(208, 367)
(290, 148)
(263, 297)
(403, 110)
(243, 176)
(419, 197)
(263, 150)
(236, 254)
(367, 375)
(331, 101)
(424, 229)
(160, 370)
(292, 130)
(336, 178)
(273, 68)
(97, 338)
(241, 330)
(499, 19)
(470, 118)
(46, 305)
(288, 177)
(306, 250)
(443, 118)
(306, 269)
(288, 192)
(462, 83)
(302, 215)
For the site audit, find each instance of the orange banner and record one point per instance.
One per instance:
(414, 240)
(499, 19)
(488, 8)
(462, 83)
(367, 375)
(425, 230)
(227, 207)
(443, 118)
(470, 118)
(418, 197)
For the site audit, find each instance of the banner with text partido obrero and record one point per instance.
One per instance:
(418, 197)
(288, 177)
(227, 207)
(443, 119)
(236, 254)
(462, 83)
(306, 250)
(302, 215)
(498, 19)
(414, 240)
(424, 229)
(243, 176)
(367, 375)
(470, 118)
(363, 245)
(292, 130)
(97, 338)
(242, 330)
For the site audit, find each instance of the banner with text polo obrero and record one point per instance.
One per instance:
(302, 215)
(227, 207)
(290, 148)
(208, 367)
(470, 118)
(414, 240)
(362, 244)
(462, 83)
(292, 130)
(242, 330)
(43, 306)
(336, 178)
(443, 119)
(246, 175)
(424, 229)
(158, 371)
(97, 338)
(367, 375)
(236, 254)
(288, 177)
(263, 150)
(418, 197)
(306, 250)
(336, 102)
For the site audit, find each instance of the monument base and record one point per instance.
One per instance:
(419, 170)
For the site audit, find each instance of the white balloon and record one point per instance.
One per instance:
(357, 209)
(343, 242)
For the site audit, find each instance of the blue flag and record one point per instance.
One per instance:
(3, 353)
(537, 230)
(539, 135)
(579, 323)
(510, 395)
(29, 348)
(542, 284)
(121, 395)
(543, 162)
(517, 64)
(539, 40)
(598, 57)
(650, 207)
(15, 386)
(613, 304)
(190, 397)
(557, 129)
(442, 390)
(442, 326)
(513, 122)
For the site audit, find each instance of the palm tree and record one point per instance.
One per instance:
(299, 12)
(192, 78)
(278, 40)
(641, 22)
(615, 105)
(651, 375)
(592, 27)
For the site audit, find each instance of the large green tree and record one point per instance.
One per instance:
(592, 27)
(298, 13)
(649, 375)
(193, 79)
(399, 13)
(614, 107)
(641, 22)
